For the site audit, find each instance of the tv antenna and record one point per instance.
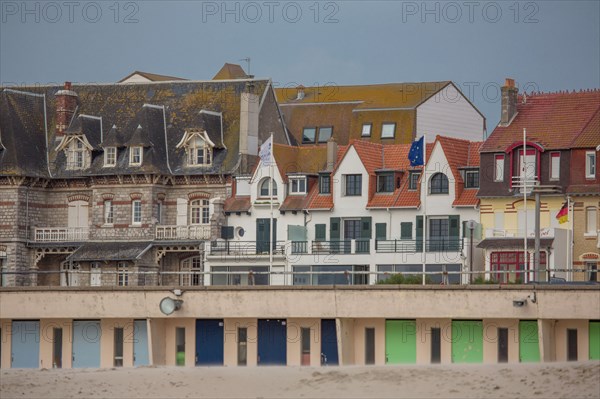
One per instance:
(247, 60)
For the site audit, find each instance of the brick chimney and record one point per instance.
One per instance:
(509, 102)
(66, 105)
(249, 113)
(332, 150)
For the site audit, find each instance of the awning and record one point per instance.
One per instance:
(110, 251)
(504, 242)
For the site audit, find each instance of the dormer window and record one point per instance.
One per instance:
(78, 155)
(472, 179)
(110, 156)
(413, 180)
(298, 185)
(385, 183)
(135, 156)
(199, 153)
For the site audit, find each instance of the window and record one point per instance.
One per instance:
(472, 179)
(590, 165)
(77, 155)
(325, 184)
(108, 212)
(110, 156)
(528, 166)
(385, 183)
(298, 185)
(439, 184)
(264, 188)
(590, 220)
(439, 228)
(353, 184)
(199, 153)
(554, 165)
(308, 135)
(499, 167)
(136, 212)
(592, 268)
(192, 272)
(388, 130)
(366, 129)
(159, 212)
(413, 180)
(325, 134)
(122, 274)
(199, 212)
(135, 156)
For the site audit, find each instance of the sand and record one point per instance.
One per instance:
(550, 380)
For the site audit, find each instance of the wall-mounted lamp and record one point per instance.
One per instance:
(519, 303)
(169, 305)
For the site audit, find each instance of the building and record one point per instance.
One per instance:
(102, 181)
(561, 151)
(395, 113)
(352, 215)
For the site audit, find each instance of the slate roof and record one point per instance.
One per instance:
(109, 251)
(123, 106)
(553, 120)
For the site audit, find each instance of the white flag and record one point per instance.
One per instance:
(266, 152)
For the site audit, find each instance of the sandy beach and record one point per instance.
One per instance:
(555, 380)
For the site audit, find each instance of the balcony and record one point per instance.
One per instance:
(522, 183)
(364, 246)
(60, 234)
(193, 232)
(516, 233)
(443, 244)
(246, 248)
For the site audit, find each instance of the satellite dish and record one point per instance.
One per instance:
(169, 305)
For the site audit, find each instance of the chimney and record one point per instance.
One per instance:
(509, 102)
(300, 92)
(249, 103)
(332, 150)
(66, 105)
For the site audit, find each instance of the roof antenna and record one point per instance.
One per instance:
(247, 59)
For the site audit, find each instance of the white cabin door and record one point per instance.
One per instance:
(95, 275)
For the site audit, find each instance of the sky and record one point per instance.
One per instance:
(543, 45)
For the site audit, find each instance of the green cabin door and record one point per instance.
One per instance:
(400, 341)
(594, 333)
(467, 341)
(529, 347)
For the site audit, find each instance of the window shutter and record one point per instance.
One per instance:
(182, 206)
(320, 232)
(380, 231)
(227, 232)
(334, 229)
(419, 232)
(365, 227)
(454, 226)
(406, 231)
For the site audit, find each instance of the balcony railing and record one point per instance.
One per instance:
(246, 247)
(443, 244)
(516, 233)
(60, 234)
(192, 232)
(524, 183)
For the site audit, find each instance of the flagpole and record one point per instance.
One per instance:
(271, 206)
(569, 232)
(524, 185)
(424, 204)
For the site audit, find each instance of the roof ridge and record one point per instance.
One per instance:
(585, 126)
(563, 92)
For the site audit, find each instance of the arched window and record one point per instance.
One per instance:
(191, 269)
(439, 184)
(264, 188)
(199, 212)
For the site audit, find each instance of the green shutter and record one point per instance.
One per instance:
(227, 232)
(334, 229)
(380, 231)
(406, 231)
(320, 232)
(365, 227)
(419, 233)
(454, 221)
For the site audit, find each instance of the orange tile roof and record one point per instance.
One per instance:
(590, 135)
(553, 120)
(237, 204)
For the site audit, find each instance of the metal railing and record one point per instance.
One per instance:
(246, 247)
(60, 234)
(449, 244)
(544, 233)
(191, 232)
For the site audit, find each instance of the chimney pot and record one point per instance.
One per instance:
(300, 92)
(509, 82)
(67, 85)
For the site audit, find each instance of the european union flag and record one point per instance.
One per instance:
(415, 155)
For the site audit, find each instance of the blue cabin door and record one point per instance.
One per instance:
(272, 342)
(25, 344)
(209, 342)
(86, 343)
(140, 343)
(329, 343)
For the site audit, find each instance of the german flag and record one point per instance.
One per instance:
(563, 214)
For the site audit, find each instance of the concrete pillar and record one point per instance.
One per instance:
(345, 327)
(547, 340)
